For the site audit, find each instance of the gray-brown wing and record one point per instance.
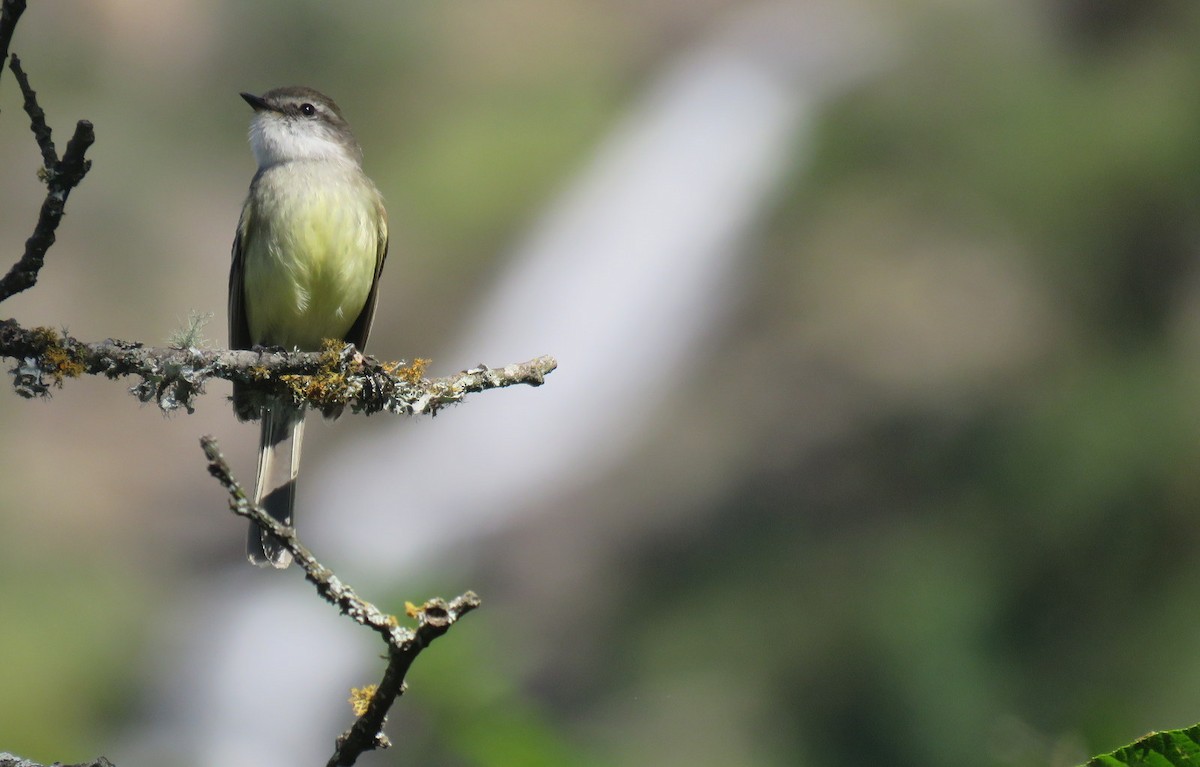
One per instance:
(245, 403)
(361, 328)
(239, 328)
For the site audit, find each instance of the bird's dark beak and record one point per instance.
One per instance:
(256, 102)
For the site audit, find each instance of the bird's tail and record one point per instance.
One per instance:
(275, 487)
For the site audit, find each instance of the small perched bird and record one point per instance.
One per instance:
(309, 249)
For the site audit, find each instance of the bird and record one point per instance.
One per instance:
(309, 249)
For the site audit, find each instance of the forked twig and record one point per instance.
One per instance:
(434, 618)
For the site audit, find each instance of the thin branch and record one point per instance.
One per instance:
(329, 381)
(61, 176)
(74, 166)
(434, 618)
(10, 14)
(37, 118)
(328, 586)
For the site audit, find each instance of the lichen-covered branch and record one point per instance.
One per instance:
(434, 618)
(9, 760)
(329, 381)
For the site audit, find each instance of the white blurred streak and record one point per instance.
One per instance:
(251, 660)
(622, 280)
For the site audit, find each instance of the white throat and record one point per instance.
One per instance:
(275, 139)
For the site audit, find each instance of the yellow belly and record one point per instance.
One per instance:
(309, 254)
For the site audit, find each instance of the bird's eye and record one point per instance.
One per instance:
(308, 110)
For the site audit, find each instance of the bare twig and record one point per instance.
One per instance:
(37, 118)
(434, 618)
(10, 14)
(328, 381)
(61, 176)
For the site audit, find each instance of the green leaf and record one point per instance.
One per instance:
(1173, 748)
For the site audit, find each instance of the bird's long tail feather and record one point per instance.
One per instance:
(275, 486)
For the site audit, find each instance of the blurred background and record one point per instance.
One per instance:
(873, 441)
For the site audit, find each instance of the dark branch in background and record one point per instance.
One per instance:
(61, 176)
(37, 118)
(10, 14)
(329, 381)
(404, 644)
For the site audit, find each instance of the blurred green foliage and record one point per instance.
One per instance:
(70, 645)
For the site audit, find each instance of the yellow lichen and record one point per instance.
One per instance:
(324, 388)
(328, 386)
(411, 373)
(56, 360)
(58, 363)
(411, 610)
(360, 698)
(259, 372)
(43, 336)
